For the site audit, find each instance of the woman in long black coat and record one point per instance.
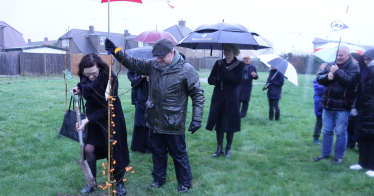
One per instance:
(141, 135)
(93, 73)
(364, 107)
(224, 115)
(275, 81)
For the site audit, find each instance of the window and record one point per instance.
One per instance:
(65, 42)
(199, 50)
(193, 50)
(140, 44)
(207, 51)
(102, 40)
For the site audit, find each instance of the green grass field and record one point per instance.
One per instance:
(267, 158)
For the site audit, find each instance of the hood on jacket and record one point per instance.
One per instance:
(368, 53)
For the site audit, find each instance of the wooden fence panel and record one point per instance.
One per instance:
(32, 64)
(76, 59)
(55, 64)
(9, 64)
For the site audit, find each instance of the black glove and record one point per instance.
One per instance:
(271, 81)
(109, 45)
(194, 126)
(226, 74)
(265, 88)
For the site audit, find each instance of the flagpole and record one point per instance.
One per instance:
(109, 51)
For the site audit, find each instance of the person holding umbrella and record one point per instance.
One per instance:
(172, 81)
(275, 82)
(245, 87)
(94, 75)
(339, 80)
(224, 114)
(363, 109)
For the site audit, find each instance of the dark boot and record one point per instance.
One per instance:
(271, 114)
(121, 191)
(316, 140)
(227, 151)
(218, 152)
(92, 165)
(277, 115)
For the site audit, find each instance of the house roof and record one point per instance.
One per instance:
(82, 41)
(40, 43)
(13, 38)
(178, 31)
(32, 47)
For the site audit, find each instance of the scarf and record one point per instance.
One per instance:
(88, 86)
(173, 62)
(365, 74)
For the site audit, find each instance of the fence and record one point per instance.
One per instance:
(42, 64)
(9, 64)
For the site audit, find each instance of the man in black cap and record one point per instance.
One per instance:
(172, 80)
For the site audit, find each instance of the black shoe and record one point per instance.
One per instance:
(155, 185)
(88, 189)
(243, 115)
(227, 151)
(316, 159)
(337, 160)
(277, 115)
(121, 191)
(218, 152)
(183, 189)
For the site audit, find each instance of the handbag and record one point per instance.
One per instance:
(68, 128)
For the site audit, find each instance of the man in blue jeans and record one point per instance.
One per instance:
(339, 79)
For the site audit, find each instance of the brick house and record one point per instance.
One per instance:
(179, 32)
(45, 42)
(10, 37)
(81, 41)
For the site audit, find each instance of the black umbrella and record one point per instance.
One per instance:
(213, 36)
(143, 52)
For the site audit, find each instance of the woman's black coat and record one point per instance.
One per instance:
(97, 114)
(245, 87)
(142, 97)
(276, 83)
(133, 76)
(224, 114)
(364, 102)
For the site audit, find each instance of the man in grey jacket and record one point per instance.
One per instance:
(172, 80)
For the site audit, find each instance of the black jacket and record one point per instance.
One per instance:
(338, 93)
(142, 97)
(364, 101)
(245, 87)
(225, 96)
(166, 107)
(134, 78)
(275, 84)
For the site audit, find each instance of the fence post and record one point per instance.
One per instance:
(20, 63)
(45, 66)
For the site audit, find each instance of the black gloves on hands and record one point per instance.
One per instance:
(194, 126)
(109, 45)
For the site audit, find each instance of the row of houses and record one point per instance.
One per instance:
(84, 41)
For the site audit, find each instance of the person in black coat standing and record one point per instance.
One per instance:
(132, 76)
(93, 73)
(245, 87)
(275, 81)
(224, 114)
(363, 108)
(141, 135)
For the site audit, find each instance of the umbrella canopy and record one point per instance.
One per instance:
(153, 36)
(213, 36)
(327, 52)
(143, 52)
(283, 66)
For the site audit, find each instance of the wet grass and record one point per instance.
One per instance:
(268, 157)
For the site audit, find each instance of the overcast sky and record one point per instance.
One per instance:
(280, 22)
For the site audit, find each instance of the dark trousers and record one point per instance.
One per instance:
(351, 142)
(366, 153)
(175, 145)
(274, 104)
(244, 106)
(318, 126)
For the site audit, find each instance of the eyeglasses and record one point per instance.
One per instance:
(91, 74)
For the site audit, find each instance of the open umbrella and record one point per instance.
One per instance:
(143, 52)
(327, 52)
(213, 36)
(153, 36)
(283, 66)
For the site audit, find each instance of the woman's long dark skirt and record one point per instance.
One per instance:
(366, 153)
(141, 140)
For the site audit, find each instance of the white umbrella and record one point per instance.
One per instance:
(283, 66)
(327, 52)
